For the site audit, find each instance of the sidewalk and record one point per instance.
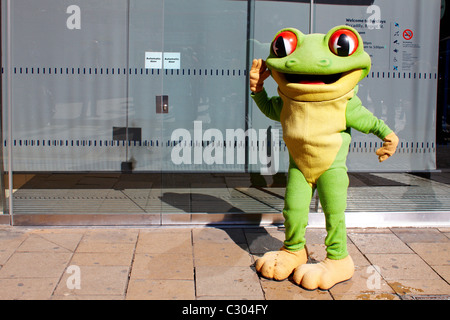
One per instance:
(211, 263)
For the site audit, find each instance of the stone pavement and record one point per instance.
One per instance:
(211, 263)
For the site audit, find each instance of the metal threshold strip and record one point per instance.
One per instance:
(391, 200)
(316, 220)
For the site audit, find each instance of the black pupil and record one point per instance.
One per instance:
(344, 45)
(279, 48)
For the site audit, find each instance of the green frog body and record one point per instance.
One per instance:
(317, 106)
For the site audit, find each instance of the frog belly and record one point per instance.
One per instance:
(312, 133)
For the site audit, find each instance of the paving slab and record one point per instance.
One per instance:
(402, 266)
(225, 281)
(379, 243)
(168, 266)
(288, 290)
(262, 242)
(35, 265)
(218, 235)
(221, 254)
(161, 241)
(435, 254)
(27, 288)
(9, 246)
(102, 258)
(94, 280)
(416, 287)
(429, 235)
(148, 289)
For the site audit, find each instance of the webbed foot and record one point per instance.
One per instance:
(279, 265)
(325, 274)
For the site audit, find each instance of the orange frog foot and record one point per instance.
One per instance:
(279, 265)
(325, 274)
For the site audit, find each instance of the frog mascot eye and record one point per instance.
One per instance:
(284, 44)
(343, 43)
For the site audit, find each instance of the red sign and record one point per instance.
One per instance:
(408, 34)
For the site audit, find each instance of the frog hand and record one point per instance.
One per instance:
(388, 148)
(258, 73)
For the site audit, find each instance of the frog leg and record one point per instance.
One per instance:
(279, 264)
(338, 266)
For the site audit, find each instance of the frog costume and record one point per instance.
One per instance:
(317, 77)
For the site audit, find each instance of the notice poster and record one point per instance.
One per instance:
(153, 60)
(172, 60)
(392, 44)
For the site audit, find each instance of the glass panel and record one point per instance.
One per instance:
(206, 92)
(4, 177)
(69, 84)
(270, 17)
(206, 89)
(146, 85)
(401, 87)
(144, 120)
(71, 118)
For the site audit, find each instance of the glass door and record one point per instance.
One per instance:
(215, 153)
(271, 17)
(201, 57)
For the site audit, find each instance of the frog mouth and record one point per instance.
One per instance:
(313, 79)
(316, 87)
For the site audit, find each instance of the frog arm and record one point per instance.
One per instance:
(361, 119)
(271, 107)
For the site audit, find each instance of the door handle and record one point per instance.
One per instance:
(162, 104)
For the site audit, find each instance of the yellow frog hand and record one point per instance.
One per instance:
(258, 73)
(388, 148)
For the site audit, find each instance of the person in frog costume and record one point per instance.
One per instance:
(317, 77)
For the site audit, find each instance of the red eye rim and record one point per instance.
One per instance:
(343, 43)
(284, 44)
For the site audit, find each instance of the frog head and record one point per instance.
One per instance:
(318, 67)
